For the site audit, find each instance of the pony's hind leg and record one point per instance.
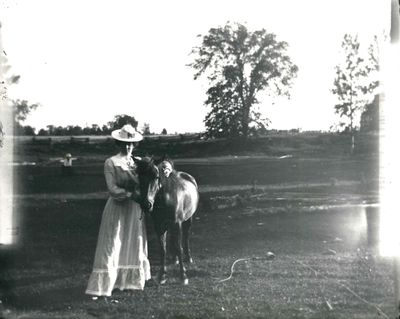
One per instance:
(162, 276)
(173, 252)
(186, 247)
(178, 245)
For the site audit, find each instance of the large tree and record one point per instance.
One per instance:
(239, 65)
(355, 83)
(122, 119)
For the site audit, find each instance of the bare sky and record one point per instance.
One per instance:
(86, 61)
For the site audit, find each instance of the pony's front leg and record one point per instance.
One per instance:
(162, 276)
(178, 243)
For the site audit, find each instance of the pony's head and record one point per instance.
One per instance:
(149, 181)
(152, 174)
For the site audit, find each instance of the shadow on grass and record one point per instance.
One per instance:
(52, 299)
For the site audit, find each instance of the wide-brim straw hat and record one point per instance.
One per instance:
(127, 134)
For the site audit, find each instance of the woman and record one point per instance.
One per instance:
(121, 253)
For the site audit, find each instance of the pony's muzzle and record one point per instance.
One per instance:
(148, 205)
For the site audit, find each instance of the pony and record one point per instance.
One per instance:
(171, 197)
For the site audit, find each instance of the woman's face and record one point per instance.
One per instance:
(127, 148)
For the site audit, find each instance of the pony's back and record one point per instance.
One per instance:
(191, 197)
(181, 192)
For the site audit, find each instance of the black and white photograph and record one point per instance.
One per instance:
(199, 159)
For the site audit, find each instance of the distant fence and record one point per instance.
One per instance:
(191, 145)
(272, 139)
(94, 139)
(43, 140)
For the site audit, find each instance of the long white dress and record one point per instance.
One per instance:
(121, 253)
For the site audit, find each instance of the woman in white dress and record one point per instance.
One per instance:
(120, 260)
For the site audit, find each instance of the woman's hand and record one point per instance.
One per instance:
(136, 196)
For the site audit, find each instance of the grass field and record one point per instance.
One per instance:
(306, 210)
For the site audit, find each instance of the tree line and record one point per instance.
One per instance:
(22, 108)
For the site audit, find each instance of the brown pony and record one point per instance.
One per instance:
(172, 198)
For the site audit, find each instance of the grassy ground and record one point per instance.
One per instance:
(48, 273)
(326, 263)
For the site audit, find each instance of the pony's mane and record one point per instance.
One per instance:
(144, 165)
(173, 176)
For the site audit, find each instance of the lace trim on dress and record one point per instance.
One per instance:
(102, 282)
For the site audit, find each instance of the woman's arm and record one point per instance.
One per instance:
(134, 186)
(116, 192)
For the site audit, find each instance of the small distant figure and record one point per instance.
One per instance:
(66, 167)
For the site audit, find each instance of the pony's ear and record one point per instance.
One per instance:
(158, 160)
(146, 160)
(161, 159)
(166, 158)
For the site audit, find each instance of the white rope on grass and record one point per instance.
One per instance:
(380, 311)
(232, 267)
(268, 257)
